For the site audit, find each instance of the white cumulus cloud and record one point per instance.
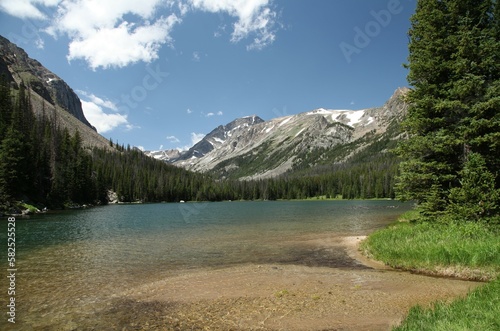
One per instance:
(98, 101)
(101, 120)
(110, 33)
(101, 35)
(122, 45)
(26, 9)
(102, 113)
(254, 18)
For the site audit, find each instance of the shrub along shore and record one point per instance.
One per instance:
(465, 250)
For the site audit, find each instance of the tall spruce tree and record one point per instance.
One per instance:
(454, 68)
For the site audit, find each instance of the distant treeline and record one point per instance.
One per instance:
(42, 163)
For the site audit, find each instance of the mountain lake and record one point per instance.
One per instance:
(284, 265)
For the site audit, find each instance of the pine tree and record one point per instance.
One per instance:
(476, 198)
(454, 70)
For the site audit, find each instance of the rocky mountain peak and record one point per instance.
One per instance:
(219, 136)
(243, 121)
(18, 67)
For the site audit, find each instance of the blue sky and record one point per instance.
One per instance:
(162, 73)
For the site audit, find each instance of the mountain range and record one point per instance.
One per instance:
(251, 148)
(246, 148)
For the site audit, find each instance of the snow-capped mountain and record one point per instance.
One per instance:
(218, 138)
(168, 155)
(250, 147)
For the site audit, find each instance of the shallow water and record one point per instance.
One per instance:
(72, 264)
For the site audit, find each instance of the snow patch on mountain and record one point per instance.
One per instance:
(353, 117)
(348, 117)
(302, 130)
(220, 141)
(285, 121)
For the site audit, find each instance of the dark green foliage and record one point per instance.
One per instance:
(5, 106)
(38, 161)
(476, 197)
(15, 166)
(137, 177)
(11, 156)
(455, 71)
(353, 179)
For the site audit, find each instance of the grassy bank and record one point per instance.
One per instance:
(465, 250)
(480, 310)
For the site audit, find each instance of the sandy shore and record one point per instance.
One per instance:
(281, 297)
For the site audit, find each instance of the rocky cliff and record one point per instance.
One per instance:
(18, 67)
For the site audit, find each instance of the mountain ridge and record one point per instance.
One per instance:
(274, 147)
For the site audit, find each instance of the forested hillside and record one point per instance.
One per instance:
(43, 164)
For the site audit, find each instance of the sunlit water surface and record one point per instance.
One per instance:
(74, 262)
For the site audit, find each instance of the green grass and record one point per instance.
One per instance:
(31, 208)
(465, 250)
(480, 310)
